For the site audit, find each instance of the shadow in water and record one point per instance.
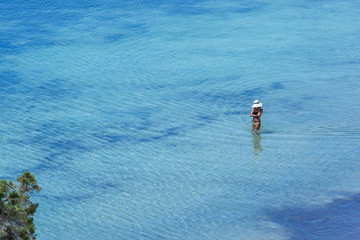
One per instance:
(256, 138)
(338, 220)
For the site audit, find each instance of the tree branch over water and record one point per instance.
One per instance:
(16, 209)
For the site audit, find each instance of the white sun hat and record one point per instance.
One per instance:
(256, 104)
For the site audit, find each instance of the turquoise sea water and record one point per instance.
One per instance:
(134, 117)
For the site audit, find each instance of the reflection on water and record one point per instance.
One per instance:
(256, 142)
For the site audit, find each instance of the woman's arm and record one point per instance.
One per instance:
(251, 114)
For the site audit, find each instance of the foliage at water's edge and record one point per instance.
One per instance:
(16, 209)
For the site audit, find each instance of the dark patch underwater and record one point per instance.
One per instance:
(338, 220)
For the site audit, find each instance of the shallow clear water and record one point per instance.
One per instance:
(134, 117)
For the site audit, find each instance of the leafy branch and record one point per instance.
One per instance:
(16, 209)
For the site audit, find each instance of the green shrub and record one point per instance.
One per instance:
(16, 209)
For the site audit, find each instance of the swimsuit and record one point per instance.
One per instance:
(256, 123)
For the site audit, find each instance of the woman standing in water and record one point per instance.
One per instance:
(256, 114)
